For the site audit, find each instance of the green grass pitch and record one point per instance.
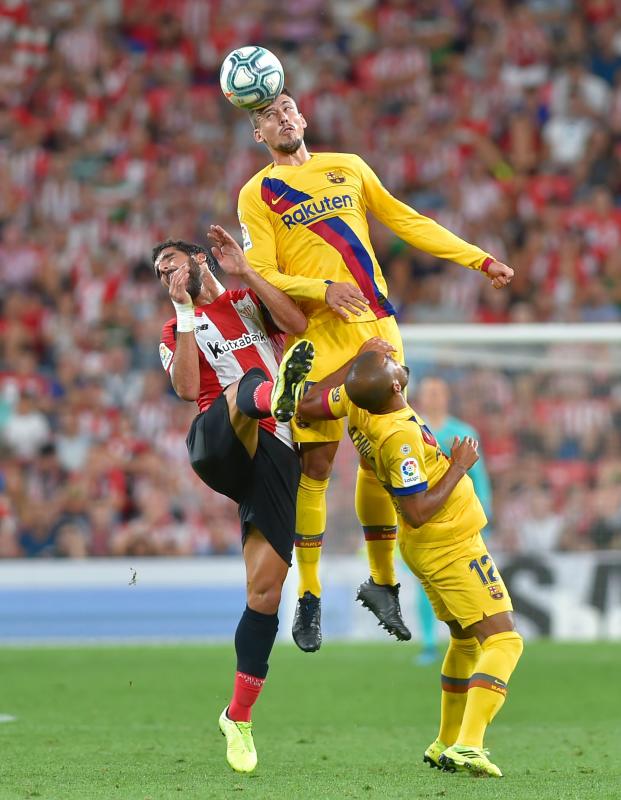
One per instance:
(349, 722)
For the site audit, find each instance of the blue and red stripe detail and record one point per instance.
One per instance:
(454, 685)
(483, 681)
(379, 533)
(280, 198)
(308, 541)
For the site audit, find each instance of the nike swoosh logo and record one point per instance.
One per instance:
(278, 199)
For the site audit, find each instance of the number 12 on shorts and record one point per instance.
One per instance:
(479, 565)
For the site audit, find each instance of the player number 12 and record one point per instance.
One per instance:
(486, 577)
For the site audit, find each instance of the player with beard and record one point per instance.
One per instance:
(222, 350)
(304, 228)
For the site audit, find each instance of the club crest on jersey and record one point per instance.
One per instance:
(336, 176)
(410, 472)
(428, 436)
(496, 592)
(245, 308)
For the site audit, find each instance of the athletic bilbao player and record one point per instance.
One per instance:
(223, 350)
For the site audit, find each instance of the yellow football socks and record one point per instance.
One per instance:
(487, 688)
(310, 526)
(457, 668)
(378, 518)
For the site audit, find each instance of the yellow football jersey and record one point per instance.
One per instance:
(306, 226)
(406, 458)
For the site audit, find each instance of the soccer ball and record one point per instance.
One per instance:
(251, 77)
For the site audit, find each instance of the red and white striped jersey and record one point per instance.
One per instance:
(233, 336)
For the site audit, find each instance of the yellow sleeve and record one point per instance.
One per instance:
(414, 228)
(336, 402)
(403, 458)
(260, 249)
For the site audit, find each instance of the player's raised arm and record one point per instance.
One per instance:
(229, 255)
(184, 372)
(426, 234)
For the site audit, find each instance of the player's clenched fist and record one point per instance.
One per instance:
(499, 274)
(464, 454)
(345, 297)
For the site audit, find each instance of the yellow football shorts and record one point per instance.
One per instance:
(461, 580)
(335, 343)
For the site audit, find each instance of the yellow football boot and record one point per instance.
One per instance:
(433, 753)
(294, 367)
(240, 752)
(460, 758)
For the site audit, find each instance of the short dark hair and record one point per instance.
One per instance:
(255, 112)
(188, 248)
(368, 386)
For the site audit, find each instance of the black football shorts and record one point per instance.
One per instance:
(265, 487)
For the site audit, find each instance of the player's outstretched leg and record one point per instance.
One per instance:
(380, 593)
(294, 367)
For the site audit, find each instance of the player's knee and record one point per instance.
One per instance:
(264, 596)
(317, 461)
(317, 469)
(516, 643)
(510, 642)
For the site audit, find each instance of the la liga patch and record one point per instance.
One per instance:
(410, 472)
(246, 240)
(166, 355)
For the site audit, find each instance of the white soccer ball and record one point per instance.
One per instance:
(251, 77)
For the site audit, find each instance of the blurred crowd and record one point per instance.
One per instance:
(500, 119)
(550, 433)
(549, 427)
